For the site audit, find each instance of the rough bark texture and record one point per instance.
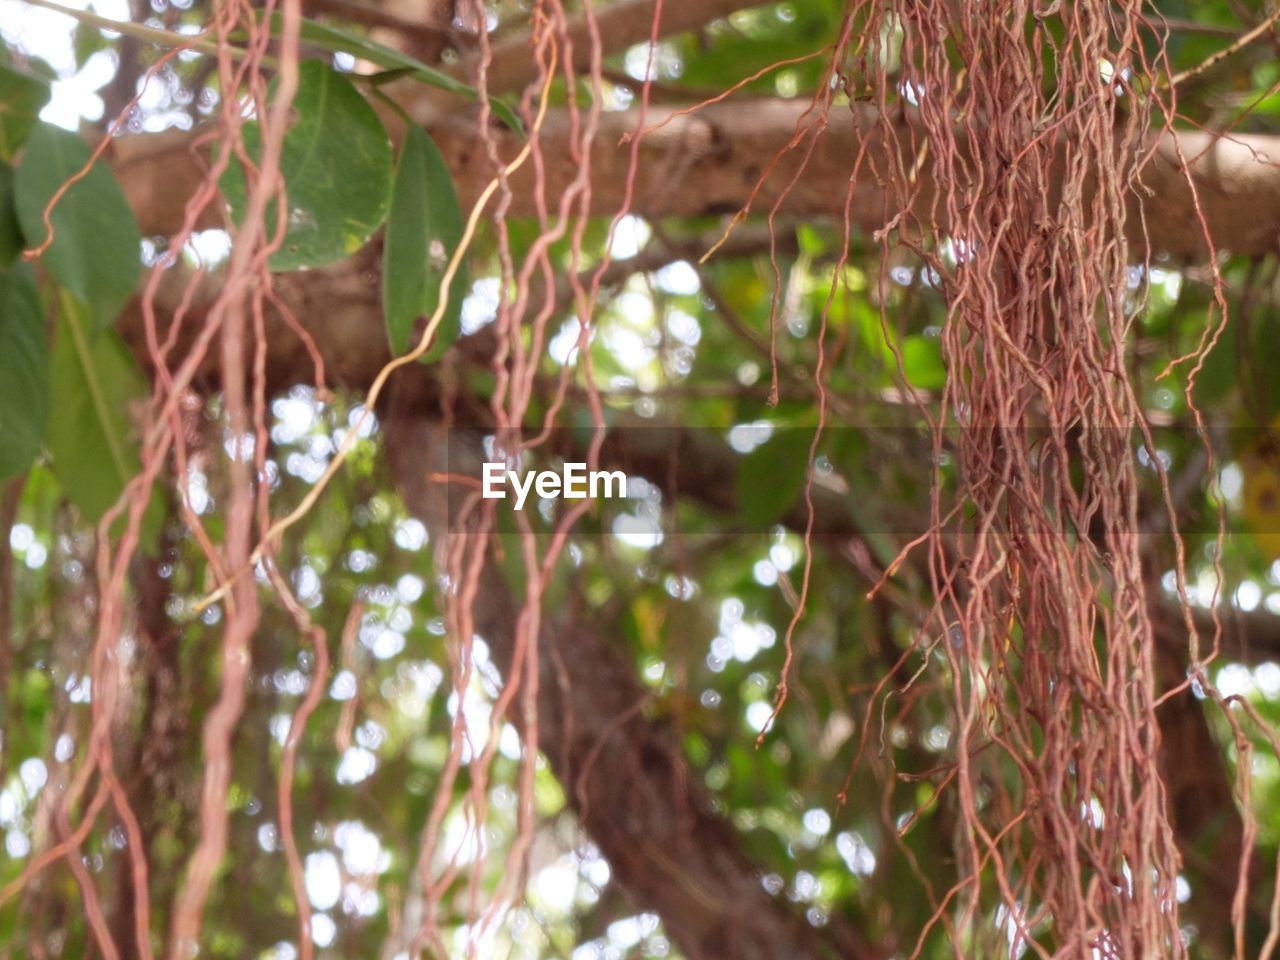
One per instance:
(624, 773)
(709, 162)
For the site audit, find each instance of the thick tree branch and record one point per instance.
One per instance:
(708, 163)
(624, 774)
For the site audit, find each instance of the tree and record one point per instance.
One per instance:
(937, 618)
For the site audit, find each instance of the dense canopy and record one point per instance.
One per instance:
(940, 615)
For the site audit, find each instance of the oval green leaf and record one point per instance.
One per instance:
(336, 164)
(91, 437)
(424, 228)
(96, 244)
(21, 99)
(24, 371)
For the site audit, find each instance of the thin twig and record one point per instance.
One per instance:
(1214, 59)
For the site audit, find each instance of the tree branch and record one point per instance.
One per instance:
(619, 25)
(624, 774)
(709, 162)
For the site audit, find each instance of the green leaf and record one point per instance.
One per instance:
(10, 233)
(24, 371)
(772, 476)
(21, 99)
(337, 40)
(91, 436)
(95, 251)
(922, 363)
(423, 231)
(336, 164)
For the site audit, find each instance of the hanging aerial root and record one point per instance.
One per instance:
(1039, 586)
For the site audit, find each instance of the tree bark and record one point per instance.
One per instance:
(708, 163)
(624, 773)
